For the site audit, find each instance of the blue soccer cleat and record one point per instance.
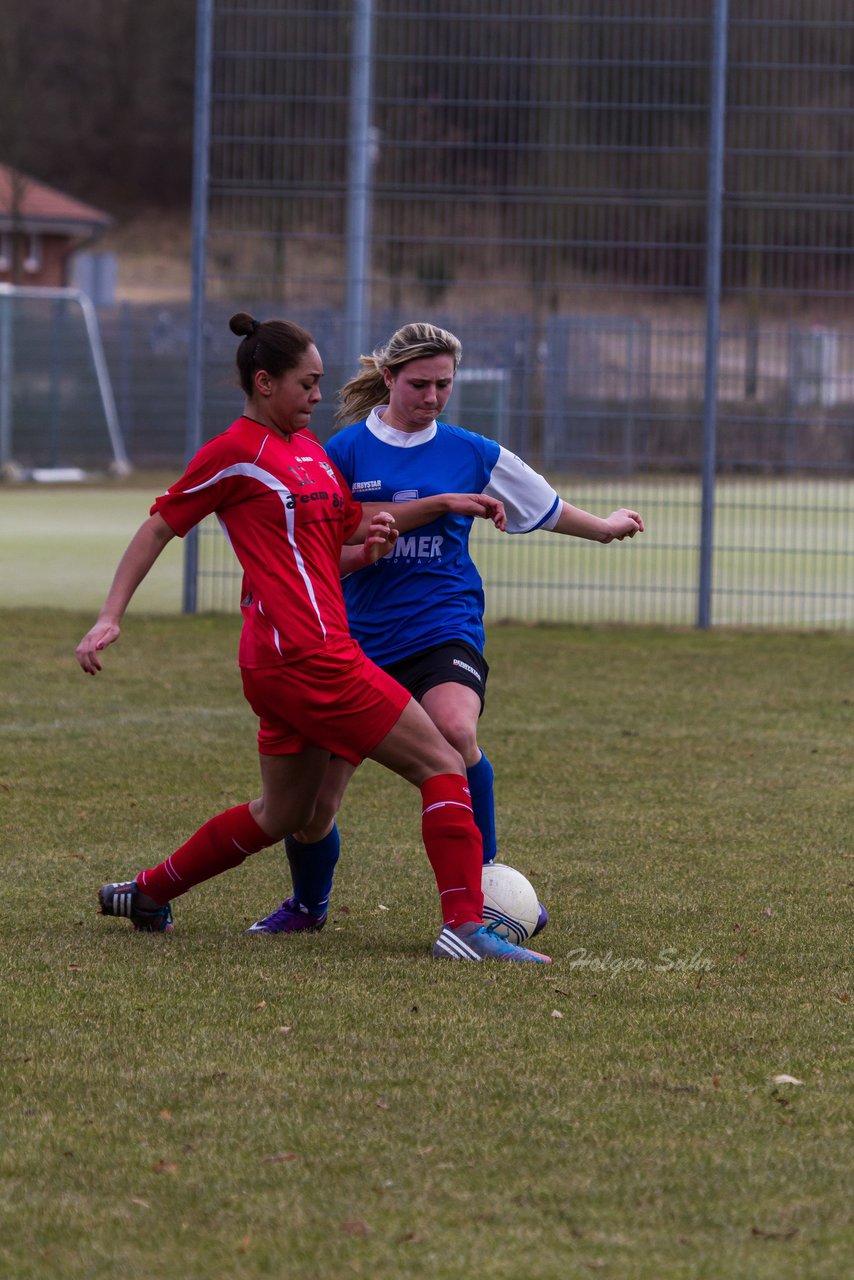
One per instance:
(123, 899)
(482, 944)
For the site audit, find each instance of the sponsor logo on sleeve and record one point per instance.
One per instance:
(458, 662)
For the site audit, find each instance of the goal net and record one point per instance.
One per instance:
(57, 413)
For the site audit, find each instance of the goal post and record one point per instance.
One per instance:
(57, 410)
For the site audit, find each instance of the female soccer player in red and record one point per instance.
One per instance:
(287, 512)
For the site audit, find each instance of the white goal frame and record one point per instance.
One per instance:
(8, 293)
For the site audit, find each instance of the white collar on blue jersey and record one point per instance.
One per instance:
(390, 435)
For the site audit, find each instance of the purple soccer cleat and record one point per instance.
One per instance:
(290, 917)
(542, 921)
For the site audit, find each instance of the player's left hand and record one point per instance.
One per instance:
(623, 524)
(479, 505)
(104, 632)
(381, 536)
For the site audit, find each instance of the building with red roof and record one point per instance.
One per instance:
(40, 229)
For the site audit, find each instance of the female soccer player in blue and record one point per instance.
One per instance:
(418, 611)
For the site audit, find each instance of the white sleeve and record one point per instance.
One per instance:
(529, 500)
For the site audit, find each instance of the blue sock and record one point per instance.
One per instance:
(312, 870)
(481, 777)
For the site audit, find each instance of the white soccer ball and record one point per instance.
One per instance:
(511, 907)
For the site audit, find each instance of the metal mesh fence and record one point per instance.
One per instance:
(536, 178)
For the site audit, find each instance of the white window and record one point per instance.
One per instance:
(33, 260)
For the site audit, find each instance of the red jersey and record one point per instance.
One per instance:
(286, 512)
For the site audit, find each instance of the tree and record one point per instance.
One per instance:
(98, 97)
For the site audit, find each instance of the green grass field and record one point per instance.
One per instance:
(59, 546)
(222, 1107)
(784, 555)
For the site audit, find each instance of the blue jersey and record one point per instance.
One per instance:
(427, 590)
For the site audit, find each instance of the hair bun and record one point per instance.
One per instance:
(243, 324)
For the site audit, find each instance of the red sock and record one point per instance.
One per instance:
(223, 842)
(454, 847)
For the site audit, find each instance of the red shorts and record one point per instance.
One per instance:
(345, 704)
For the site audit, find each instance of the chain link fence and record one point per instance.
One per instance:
(540, 179)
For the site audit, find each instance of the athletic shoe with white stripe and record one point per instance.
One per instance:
(482, 944)
(122, 899)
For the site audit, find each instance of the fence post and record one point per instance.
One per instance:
(196, 352)
(359, 180)
(713, 307)
(6, 459)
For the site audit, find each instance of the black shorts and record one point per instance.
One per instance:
(453, 663)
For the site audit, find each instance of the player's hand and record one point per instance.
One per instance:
(479, 505)
(96, 639)
(623, 524)
(381, 536)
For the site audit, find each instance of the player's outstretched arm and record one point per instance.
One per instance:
(583, 524)
(143, 549)
(411, 515)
